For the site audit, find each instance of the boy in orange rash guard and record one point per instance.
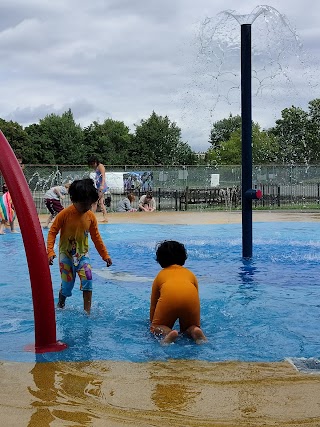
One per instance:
(74, 224)
(175, 295)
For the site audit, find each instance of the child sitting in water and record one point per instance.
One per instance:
(75, 223)
(175, 295)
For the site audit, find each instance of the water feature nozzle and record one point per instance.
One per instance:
(253, 194)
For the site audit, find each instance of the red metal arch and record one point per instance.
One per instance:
(41, 284)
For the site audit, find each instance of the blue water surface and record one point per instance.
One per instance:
(265, 309)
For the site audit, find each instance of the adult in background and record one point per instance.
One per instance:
(100, 183)
(147, 202)
(125, 204)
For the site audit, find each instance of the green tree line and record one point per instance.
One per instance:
(58, 139)
(295, 138)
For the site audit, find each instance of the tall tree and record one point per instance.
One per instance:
(264, 148)
(18, 139)
(313, 131)
(41, 145)
(223, 129)
(158, 141)
(292, 134)
(110, 141)
(64, 137)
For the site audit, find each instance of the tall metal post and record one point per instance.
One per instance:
(246, 113)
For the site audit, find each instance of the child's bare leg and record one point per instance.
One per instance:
(103, 208)
(1, 227)
(196, 333)
(12, 227)
(50, 218)
(62, 300)
(87, 297)
(169, 335)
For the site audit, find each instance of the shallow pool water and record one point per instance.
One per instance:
(265, 309)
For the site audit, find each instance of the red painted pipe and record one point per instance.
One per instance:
(41, 284)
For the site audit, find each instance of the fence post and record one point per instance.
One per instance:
(187, 197)
(278, 196)
(159, 198)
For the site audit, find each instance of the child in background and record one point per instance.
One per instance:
(175, 295)
(74, 224)
(7, 212)
(52, 201)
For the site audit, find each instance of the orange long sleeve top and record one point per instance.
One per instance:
(74, 228)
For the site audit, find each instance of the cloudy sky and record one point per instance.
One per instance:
(122, 59)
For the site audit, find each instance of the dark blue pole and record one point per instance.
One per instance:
(246, 114)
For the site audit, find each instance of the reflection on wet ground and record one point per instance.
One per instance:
(173, 393)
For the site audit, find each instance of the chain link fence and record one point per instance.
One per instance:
(188, 187)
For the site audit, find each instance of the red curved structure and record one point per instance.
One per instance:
(41, 285)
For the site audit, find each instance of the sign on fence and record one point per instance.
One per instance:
(127, 181)
(215, 180)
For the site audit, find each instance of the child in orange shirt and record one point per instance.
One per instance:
(74, 224)
(175, 295)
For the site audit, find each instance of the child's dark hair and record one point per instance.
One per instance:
(93, 159)
(83, 190)
(170, 252)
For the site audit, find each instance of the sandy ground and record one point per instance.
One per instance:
(173, 393)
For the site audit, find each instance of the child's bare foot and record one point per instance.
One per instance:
(198, 336)
(170, 337)
(14, 231)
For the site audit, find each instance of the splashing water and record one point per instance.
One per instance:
(280, 67)
(266, 309)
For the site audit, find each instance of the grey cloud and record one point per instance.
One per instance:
(123, 59)
(25, 116)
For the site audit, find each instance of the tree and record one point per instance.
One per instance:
(223, 129)
(41, 145)
(110, 141)
(62, 137)
(264, 148)
(313, 131)
(158, 141)
(18, 139)
(291, 132)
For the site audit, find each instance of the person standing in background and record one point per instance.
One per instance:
(100, 183)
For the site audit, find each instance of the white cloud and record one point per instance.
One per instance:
(124, 59)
